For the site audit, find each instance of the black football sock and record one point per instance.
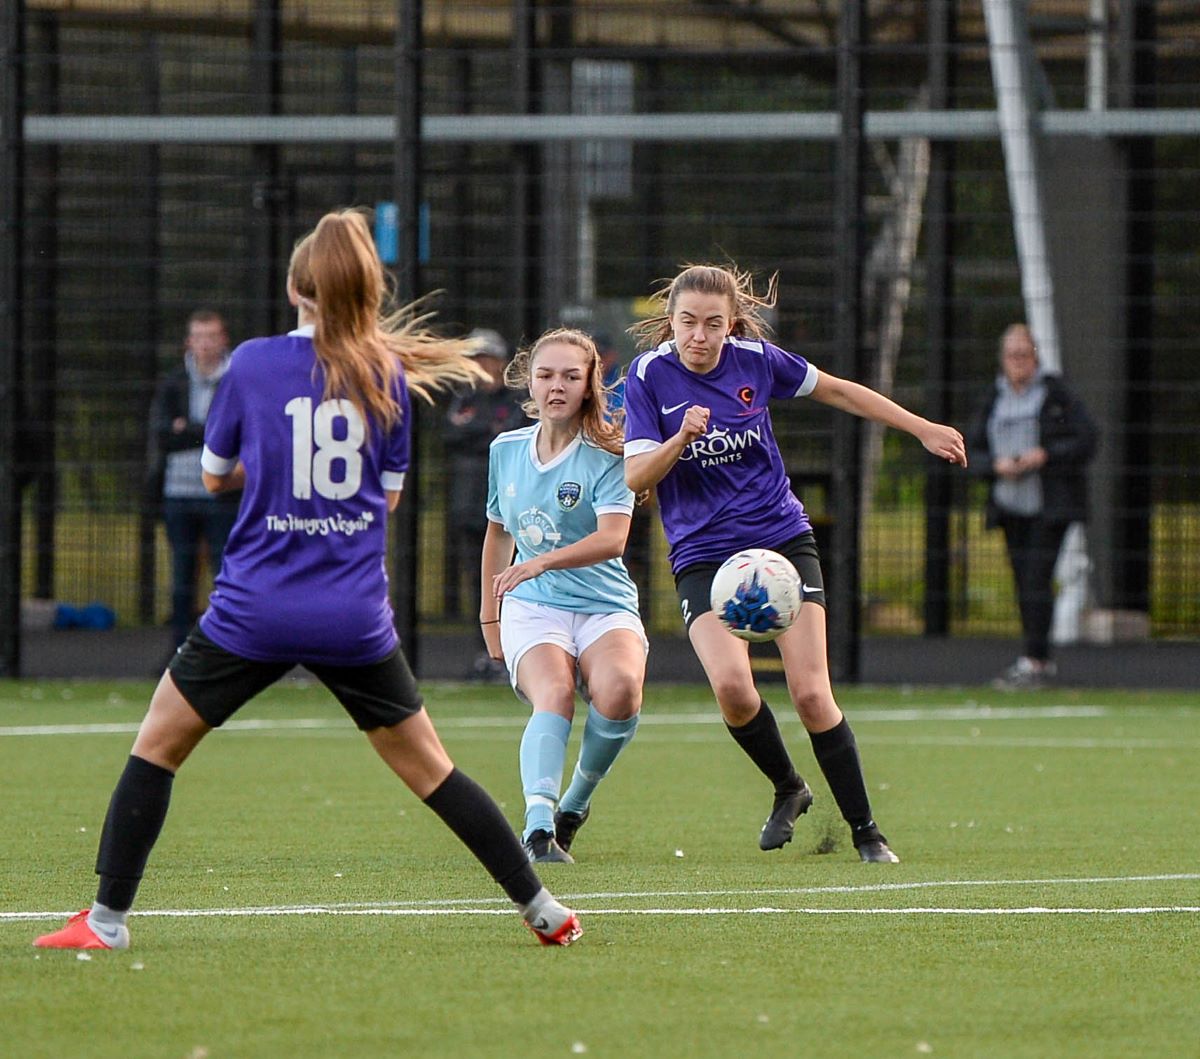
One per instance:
(837, 754)
(763, 744)
(135, 817)
(469, 811)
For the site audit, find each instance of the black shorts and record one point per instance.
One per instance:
(694, 583)
(217, 683)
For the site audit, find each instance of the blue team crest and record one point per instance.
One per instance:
(569, 494)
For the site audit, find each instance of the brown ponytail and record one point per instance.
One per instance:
(734, 283)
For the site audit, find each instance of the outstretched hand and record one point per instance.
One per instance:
(945, 442)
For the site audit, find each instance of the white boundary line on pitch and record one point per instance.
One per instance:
(936, 713)
(320, 910)
(458, 906)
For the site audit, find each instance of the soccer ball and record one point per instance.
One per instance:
(756, 594)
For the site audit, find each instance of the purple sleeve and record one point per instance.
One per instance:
(641, 416)
(398, 445)
(791, 374)
(223, 427)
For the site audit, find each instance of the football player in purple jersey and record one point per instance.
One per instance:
(314, 427)
(698, 429)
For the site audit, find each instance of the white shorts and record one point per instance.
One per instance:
(524, 625)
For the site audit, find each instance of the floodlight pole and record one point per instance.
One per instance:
(12, 107)
(406, 179)
(848, 240)
(1011, 53)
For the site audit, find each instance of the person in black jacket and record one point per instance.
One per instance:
(192, 515)
(1033, 438)
(475, 416)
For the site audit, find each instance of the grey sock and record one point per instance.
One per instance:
(103, 916)
(545, 908)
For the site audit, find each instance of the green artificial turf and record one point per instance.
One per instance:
(1003, 809)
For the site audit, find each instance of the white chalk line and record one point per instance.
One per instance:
(471, 906)
(318, 910)
(670, 727)
(651, 720)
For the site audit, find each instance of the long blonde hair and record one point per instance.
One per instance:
(734, 283)
(336, 275)
(601, 425)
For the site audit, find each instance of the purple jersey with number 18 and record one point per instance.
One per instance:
(729, 490)
(303, 576)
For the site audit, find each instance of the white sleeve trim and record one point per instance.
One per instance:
(392, 481)
(493, 518)
(753, 344)
(643, 361)
(810, 382)
(215, 464)
(616, 509)
(640, 446)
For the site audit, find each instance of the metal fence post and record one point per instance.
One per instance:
(12, 113)
(939, 296)
(407, 183)
(848, 239)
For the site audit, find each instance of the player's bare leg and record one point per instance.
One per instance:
(726, 662)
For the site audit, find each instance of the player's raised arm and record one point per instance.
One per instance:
(942, 440)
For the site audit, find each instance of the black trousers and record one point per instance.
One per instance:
(1033, 544)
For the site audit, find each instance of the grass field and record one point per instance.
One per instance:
(302, 903)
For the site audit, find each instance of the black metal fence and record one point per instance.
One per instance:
(125, 228)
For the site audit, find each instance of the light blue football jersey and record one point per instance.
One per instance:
(551, 505)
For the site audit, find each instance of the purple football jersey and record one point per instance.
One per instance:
(303, 576)
(729, 490)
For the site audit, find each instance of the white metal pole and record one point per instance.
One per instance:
(1008, 46)
(1097, 56)
(1011, 53)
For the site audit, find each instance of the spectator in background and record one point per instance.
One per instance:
(614, 371)
(475, 417)
(1032, 437)
(192, 515)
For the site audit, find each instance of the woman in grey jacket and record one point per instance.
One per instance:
(1032, 437)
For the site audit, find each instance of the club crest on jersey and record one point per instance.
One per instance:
(569, 494)
(746, 395)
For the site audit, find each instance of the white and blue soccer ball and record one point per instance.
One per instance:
(756, 594)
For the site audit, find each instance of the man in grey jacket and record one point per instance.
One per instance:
(192, 515)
